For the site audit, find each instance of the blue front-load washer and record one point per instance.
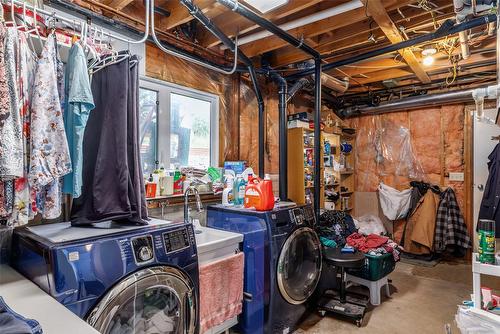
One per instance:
(282, 264)
(118, 278)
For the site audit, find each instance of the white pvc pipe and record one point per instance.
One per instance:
(327, 13)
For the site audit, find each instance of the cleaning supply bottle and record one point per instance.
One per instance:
(239, 190)
(486, 249)
(259, 194)
(227, 193)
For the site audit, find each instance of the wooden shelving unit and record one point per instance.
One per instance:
(301, 187)
(347, 175)
(300, 168)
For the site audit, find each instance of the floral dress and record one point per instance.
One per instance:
(49, 153)
(7, 125)
(22, 209)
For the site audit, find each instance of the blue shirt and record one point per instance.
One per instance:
(79, 102)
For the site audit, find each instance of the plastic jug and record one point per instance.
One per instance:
(259, 194)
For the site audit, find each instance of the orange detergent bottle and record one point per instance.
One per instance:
(259, 194)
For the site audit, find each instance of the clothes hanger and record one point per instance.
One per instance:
(12, 22)
(495, 137)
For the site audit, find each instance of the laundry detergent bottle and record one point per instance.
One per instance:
(239, 190)
(259, 194)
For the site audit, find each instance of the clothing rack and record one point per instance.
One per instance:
(82, 25)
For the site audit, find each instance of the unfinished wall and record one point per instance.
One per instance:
(437, 144)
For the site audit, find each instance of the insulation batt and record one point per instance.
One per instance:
(425, 126)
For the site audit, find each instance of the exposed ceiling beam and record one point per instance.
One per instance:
(229, 23)
(377, 11)
(180, 15)
(120, 4)
(316, 28)
(357, 33)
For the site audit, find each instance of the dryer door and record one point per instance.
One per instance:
(153, 300)
(299, 265)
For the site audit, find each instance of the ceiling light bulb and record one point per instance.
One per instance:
(428, 61)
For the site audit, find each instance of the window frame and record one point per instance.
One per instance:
(165, 89)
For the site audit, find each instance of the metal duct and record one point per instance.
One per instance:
(283, 136)
(445, 30)
(412, 103)
(297, 86)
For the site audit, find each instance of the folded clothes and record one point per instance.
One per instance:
(374, 244)
(13, 323)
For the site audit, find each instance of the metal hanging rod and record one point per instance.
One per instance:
(80, 23)
(184, 56)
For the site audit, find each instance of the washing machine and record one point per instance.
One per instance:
(286, 263)
(116, 277)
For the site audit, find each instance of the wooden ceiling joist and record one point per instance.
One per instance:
(120, 4)
(379, 14)
(180, 15)
(357, 33)
(229, 24)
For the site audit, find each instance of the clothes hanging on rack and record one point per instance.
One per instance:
(50, 159)
(11, 157)
(110, 152)
(491, 195)
(79, 102)
(25, 75)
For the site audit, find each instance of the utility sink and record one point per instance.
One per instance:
(216, 244)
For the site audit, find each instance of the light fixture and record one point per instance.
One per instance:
(428, 60)
(265, 6)
(428, 52)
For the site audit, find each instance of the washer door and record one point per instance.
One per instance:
(299, 266)
(156, 300)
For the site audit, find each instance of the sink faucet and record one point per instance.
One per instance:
(199, 205)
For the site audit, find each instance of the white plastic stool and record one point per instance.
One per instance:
(374, 287)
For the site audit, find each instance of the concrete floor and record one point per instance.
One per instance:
(423, 300)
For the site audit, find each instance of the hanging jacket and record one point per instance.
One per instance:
(419, 230)
(450, 225)
(491, 195)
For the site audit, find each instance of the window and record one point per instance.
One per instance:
(184, 128)
(148, 128)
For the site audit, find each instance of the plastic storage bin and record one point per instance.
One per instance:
(375, 267)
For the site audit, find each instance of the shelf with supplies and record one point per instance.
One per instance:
(339, 162)
(301, 165)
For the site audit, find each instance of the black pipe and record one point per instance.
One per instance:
(269, 26)
(318, 154)
(283, 135)
(448, 28)
(210, 26)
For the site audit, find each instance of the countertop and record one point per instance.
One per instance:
(27, 299)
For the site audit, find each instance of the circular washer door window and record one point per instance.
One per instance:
(153, 300)
(299, 266)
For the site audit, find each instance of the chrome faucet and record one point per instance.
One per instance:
(199, 205)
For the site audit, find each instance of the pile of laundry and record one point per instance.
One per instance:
(334, 227)
(374, 244)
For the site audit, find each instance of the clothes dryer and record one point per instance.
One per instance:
(116, 277)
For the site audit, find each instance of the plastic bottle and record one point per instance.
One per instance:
(239, 190)
(227, 193)
(178, 181)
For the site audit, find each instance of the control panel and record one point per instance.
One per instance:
(176, 240)
(143, 249)
(303, 215)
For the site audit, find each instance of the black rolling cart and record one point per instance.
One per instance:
(345, 304)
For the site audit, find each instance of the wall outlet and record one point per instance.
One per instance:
(456, 177)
